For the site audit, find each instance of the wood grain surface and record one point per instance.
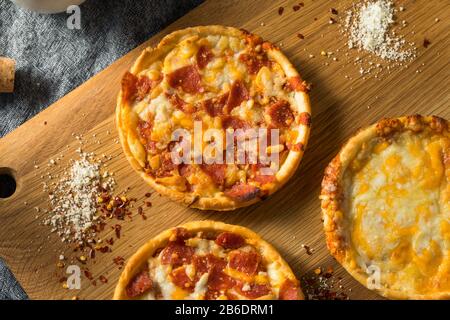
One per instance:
(288, 219)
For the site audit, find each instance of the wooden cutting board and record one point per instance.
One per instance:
(342, 102)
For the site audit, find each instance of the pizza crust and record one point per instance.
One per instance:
(130, 142)
(332, 194)
(134, 265)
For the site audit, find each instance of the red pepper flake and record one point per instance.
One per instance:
(45, 123)
(117, 229)
(426, 43)
(308, 249)
(148, 204)
(141, 212)
(333, 11)
(100, 227)
(94, 283)
(104, 249)
(110, 241)
(300, 36)
(88, 274)
(119, 213)
(120, 261)
(148, 195)
(296, 7)
(280, 10)
(118, 207)
(103, 279)
(105, 197)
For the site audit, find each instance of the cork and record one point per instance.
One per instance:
(7, 72)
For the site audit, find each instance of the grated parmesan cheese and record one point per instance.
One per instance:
(74, 198)
(368, 26)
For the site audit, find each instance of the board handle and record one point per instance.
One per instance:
(8, 182)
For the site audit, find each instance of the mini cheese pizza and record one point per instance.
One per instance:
(386, 207)
(207, 260)
(218, 79)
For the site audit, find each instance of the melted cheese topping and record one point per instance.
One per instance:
(167, 290)
(397, 196)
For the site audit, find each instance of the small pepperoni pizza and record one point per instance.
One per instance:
(222, 78)
(207, 260)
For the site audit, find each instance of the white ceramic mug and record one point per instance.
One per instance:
(47, 6)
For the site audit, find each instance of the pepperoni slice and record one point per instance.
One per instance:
(230, 240)
(201, 265)
(304, 118)
(145, 129)
(182, 280)
(254, 61)
(251, 39)
(297, 84)
(231, 296)
(185, 170)
(140, 284)
(280, 114)
(136, 88)
(218, 280)
(260, 178)
(187, 78)
(214, 107)
(145, 132)
(129, 83)
(204, 56)
(180, 234)
(296, 146)
(166, 165)
(215, 171)
(254, 290)
(177, 254)
(263, 179)
(143, 87)
(234, 123)
(238, 94)
(243, 192)
(180, 103)
(245, 262)
(206, 263)
(289, 290)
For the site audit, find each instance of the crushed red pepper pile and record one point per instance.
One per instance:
(321, 284)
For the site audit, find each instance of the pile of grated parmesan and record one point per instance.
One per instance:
(74, 198)
(368, 26)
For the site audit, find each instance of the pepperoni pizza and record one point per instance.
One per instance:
(207, 260)
(225, 78)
